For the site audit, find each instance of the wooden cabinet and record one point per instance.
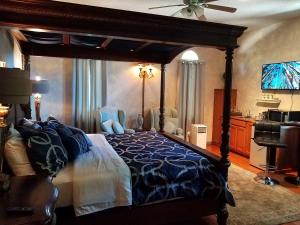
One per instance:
(240, 136)
(36, 192)
(218, 113)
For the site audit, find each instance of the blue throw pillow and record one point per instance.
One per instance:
(46, 152)
(107, 126)
(26, 131)
(76, 145)
(61, 129)
(117, 127)
(78, 131)
(30, 124)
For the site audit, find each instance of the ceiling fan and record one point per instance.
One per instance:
(196, 7)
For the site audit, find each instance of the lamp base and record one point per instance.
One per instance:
(2, 122)
(4, 182)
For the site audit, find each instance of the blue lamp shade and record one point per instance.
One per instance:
(15, 86)
(40, 86)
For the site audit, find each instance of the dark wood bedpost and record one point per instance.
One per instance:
(225, 162)
(162, 97)
(26, 108)
(226, 113)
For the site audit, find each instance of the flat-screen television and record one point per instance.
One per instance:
(281, 76)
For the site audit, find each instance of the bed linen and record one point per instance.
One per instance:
(162, 169)
(64, 182)
(100, 180)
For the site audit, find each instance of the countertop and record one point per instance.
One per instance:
(242, 118)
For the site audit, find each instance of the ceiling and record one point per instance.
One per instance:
(251, 13)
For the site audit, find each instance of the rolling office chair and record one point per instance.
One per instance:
(268, 134)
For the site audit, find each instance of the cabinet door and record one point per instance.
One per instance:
(233, 137)
(241, 140)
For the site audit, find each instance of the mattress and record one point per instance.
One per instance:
(162, 169)
(64, 182)
(96, 180)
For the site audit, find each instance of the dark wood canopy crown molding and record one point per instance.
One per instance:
(78, 31)
(111, 24)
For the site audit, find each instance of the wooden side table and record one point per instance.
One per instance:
(29, 191)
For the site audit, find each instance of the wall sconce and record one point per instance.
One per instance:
(146, 71)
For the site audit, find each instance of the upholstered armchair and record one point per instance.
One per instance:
(108, 116)
(171, 120)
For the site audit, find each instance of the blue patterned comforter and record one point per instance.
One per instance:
(161, 169)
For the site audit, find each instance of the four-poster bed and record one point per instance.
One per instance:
(49, 28)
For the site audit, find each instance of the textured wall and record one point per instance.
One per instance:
(125, 87)
(58, 72)
(9, 50)
(276, 43)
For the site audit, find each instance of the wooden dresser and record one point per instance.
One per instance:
(240, 135)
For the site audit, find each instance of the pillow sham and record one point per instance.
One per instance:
(26, 132)
(15, 154)
(65, 130)
(76, 145)
(30, 124)
(46, 152)
(107, 126)
(117, 127)
(79, 131)
(61, 129)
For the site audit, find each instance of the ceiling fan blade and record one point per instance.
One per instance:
(176, 13)
(199, 11)
(166, 6)
(187, 12)
(220, 7)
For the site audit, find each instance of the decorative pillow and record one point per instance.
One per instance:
(118, 129)
(46, 152)
(76, 145)
(107, 126)
(30, 124)
(61, 129)
(79, 131)
(26, 132)
(15, 154)
(170, 127)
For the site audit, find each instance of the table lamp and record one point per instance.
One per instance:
(39, 87)
(15, 88)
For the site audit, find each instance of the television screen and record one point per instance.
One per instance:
(281, 76)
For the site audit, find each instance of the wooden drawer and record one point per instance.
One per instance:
(239, 123)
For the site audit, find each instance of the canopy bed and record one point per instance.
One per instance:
(50, 28)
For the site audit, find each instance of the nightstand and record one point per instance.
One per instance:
(29, 191)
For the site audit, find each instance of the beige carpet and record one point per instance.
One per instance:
(258, 204)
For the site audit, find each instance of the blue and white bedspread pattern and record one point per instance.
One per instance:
(161, 169)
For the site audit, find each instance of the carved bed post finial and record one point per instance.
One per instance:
(162, 97)
(226, 113)
(26, 108)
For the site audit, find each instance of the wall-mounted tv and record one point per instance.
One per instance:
(281, 76)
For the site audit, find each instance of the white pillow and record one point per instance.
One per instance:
(16, 155)
(170, 127)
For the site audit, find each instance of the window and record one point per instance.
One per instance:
(190, 55)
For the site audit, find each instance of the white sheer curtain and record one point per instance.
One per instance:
(190, 106)
(89, 92)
